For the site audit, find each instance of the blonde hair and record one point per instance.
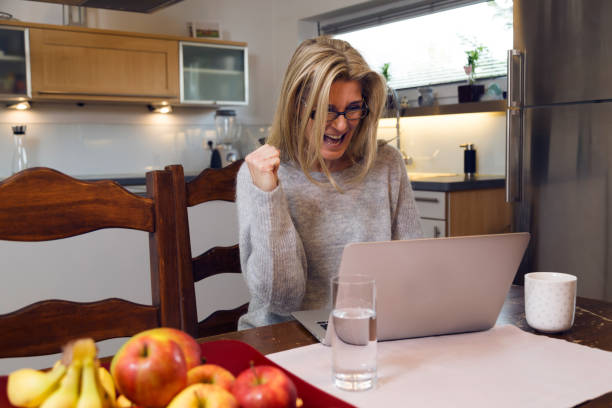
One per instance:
(314, 66)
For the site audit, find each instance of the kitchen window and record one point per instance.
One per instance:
(425, 43)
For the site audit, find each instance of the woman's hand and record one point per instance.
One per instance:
(263, 165)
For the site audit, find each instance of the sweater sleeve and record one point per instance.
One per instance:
(405, 223)
(271, 252)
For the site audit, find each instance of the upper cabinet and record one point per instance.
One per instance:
(98, 66)
(213, 74)
(14, 63)
(46, 62)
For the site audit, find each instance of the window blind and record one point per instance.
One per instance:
(382, 12)
(429, 48)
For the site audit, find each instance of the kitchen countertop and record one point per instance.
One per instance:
(420, 181)
(133, 183)
(454, 182)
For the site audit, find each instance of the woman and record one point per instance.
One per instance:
(320, 183)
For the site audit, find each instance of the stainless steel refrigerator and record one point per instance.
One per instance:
(559, 138)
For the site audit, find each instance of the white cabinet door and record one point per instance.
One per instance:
(433, 228)
(432, 209)
(213, 74)
(431, 204)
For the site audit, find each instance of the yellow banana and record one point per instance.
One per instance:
(107, 387)
(123, 402)
(89, 397)
(85, 348)
(67, 394)
(29, 388)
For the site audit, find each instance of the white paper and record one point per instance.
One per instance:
(501, 367)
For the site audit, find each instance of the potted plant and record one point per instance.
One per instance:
(471, 92)
(390, 105)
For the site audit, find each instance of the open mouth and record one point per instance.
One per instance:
(333, 140)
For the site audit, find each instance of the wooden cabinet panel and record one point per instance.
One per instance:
(475, 212)
(468, 212)
(77, 65)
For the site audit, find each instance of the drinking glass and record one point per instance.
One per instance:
(353, 328)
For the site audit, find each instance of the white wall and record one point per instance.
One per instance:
(270, 27)
(111, 263)
(127, 139)
(272, 30)
(112, 139)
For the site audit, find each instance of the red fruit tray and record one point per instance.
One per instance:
(236, 356)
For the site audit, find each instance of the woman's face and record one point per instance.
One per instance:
(344, 96)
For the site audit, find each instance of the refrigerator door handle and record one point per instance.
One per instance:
(514, 126)
(516, 83)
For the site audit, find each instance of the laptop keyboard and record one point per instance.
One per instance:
(323, 324)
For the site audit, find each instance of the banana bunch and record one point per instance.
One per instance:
(75, 381)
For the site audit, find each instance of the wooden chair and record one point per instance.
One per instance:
(209, 185)
(42, 204)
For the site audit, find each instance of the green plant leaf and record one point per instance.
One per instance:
(384, 71)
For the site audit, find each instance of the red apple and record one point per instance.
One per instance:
(210, 374)
(204, 395)
(191, 348)
(149, 370)
(264, 386)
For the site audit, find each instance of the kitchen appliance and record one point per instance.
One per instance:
(559, 138)
(227, 129)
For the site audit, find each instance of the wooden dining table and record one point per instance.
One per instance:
(592, 327)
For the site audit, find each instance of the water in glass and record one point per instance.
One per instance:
(354, 348)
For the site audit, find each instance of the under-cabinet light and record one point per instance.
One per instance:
(23, 105)
(162, 107)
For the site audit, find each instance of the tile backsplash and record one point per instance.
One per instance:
(102, 141)
(106, 140)
(432, 142)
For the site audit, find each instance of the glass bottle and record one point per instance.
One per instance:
(20, 155)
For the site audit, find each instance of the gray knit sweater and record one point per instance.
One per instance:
(291, 239)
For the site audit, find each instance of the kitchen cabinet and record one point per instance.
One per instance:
(213, 74)
(70, 64)
(432, 210)
(14, 64)
(465, 212)
(80, 64)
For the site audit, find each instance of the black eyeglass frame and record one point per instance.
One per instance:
(365, 111)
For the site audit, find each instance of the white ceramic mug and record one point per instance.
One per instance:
(550, 301)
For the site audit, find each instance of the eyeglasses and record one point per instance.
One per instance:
(349, 114)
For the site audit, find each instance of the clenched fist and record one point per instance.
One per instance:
(263, 165)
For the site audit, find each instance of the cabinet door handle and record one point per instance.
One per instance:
(427, 199)
(436, 231)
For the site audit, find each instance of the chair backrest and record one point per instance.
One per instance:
(209, 185)
(42, 204)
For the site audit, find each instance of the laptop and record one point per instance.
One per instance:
(431, 286)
